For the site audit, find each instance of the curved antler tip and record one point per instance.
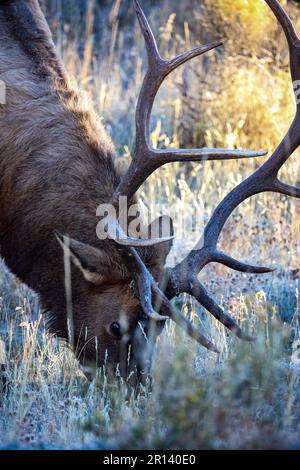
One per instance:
(138, 9)
(199, 50)
(217, 43)
(140, 242)
(232, 263)
(256, 153)
(122, 239)
(215, 349)
(284, 20)
(153, 315)
(252, 153)
(208, 345)
(240, 334)
(260, 269)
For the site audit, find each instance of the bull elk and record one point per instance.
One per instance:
(57, 164)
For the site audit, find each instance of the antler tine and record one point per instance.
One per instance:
(145, 158)
(284, 20)
(151, 46)
(182, 321)
(183, 277)
(143, 281)
(262, 180)
(146, 285)
(239, 266)
(287, 189)
(198, 291)
(115, 232)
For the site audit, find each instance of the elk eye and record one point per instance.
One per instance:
(115, 329)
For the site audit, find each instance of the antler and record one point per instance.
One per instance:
(183, 278)
(145, 158)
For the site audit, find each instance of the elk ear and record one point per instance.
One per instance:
(161, 227)
(92, 262)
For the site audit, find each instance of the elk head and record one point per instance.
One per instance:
(116, 332)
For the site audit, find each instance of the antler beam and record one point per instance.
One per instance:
(183, 277)
(262, 180)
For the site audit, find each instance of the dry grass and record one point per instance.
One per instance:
(247, 397)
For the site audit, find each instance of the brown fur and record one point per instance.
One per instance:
(56, 167)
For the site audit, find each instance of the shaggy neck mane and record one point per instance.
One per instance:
(26, 25)
(56, 159)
